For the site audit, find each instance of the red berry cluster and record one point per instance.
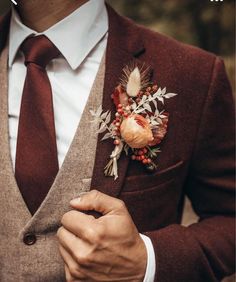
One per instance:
(122, 112)
(142, 156)
(148, 91)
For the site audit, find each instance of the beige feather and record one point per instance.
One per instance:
(134, 83)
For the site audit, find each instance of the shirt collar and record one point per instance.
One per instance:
(75, 36)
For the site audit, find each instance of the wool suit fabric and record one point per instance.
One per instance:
(196, 159)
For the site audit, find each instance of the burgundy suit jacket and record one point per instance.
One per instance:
(197, 157)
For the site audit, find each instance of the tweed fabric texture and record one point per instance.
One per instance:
(41, 262)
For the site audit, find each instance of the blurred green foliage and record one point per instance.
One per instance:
(207, 24)
(204, 23)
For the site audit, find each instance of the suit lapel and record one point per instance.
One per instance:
(123, 47)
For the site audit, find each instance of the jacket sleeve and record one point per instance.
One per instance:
(204, 251)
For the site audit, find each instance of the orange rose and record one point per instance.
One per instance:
(136, 131)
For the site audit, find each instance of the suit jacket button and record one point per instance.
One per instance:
(29, 239)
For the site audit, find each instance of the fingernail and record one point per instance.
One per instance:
(75, 201)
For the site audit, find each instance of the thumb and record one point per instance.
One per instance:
(97, 201)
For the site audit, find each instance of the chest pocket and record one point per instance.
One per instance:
(138, 183)
(153, 200)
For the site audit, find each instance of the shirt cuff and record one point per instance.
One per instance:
(151, 260)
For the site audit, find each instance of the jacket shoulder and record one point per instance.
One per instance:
(175, 61)
(157, 42)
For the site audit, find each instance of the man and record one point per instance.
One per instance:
(59, 60)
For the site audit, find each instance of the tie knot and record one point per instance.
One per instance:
(39, 50)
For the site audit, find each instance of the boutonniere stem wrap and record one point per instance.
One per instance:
(138, 126)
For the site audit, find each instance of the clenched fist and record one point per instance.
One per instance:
(108, 248)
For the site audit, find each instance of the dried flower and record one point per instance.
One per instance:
(136, 131)
(138, 123)
(134, 83)
(134, 79)
(160, 132)
(120, 97)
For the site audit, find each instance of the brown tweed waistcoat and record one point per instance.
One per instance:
(73, 177)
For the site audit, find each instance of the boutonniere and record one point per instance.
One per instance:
(139, 125)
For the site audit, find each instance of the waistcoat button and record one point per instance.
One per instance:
(29, 239)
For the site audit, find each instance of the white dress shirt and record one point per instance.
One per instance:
(81, 38)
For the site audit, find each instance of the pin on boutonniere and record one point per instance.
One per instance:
(138, 126)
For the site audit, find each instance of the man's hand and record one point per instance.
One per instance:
(108, 248)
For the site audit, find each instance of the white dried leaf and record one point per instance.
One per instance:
(162, 116)
(133, 106)
(161, 99)
(140, 111)
(170, 95)
(108, 118)
(106, 136)
(102, 128)
(99, 111)
(92, 113)
(163, 91)
(103, 116)
(158, 93)
(134, 83)
(147, 107)
(155, 103)
(154, 122)
(126, 149)
(143, 99)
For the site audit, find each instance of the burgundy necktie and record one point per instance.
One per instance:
(36, 154)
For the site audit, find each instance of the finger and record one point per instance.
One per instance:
(77, 248)
(69, 278)
(95, 200)
(68, 275)
(72, 269)
(78, 223)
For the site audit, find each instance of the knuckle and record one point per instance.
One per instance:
(94, 193)
(96, 235)
(82, 259)
(99, 234)
(121, 204)
(74, 270)
(90, 233)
